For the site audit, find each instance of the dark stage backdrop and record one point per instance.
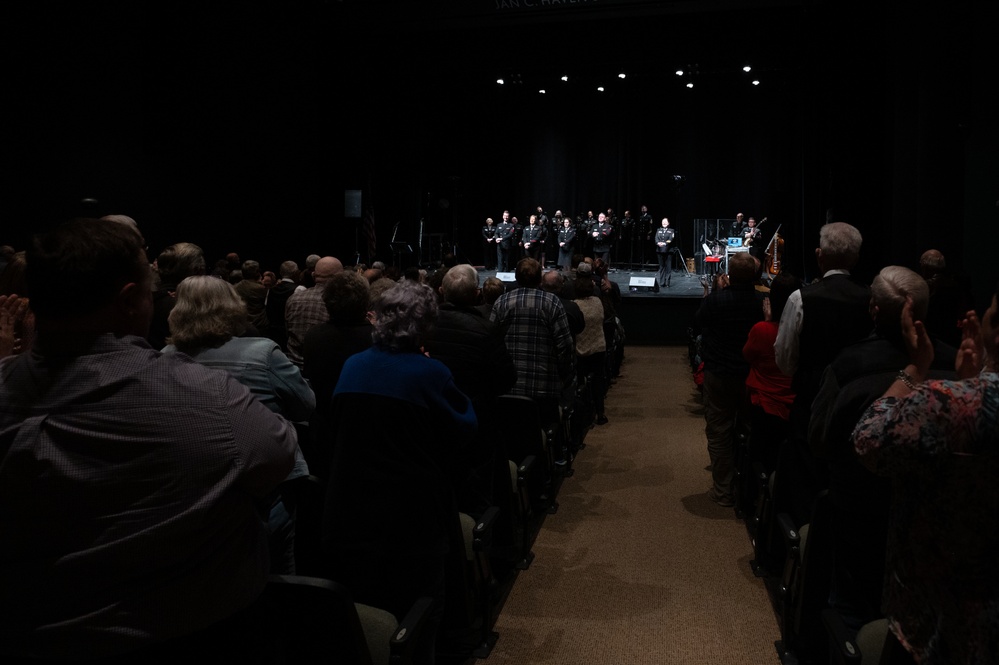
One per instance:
(240, 128)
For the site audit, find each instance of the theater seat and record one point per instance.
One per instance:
(315, 620)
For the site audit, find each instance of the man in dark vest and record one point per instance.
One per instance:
(819, 320)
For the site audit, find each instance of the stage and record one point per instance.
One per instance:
(648, 316)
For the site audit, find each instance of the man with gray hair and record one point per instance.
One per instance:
(468, 342)
(859, 500)
(307, 308)
(819, 320)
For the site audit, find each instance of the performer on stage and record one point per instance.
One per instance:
(664, 252)
(489, 254)
(533, 238)
(602, 235)
(518, 233)
(566, 244)
(753, 239)
(645, 229)
(626, 228)
(504, 242)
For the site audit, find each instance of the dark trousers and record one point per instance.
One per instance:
(724, 400)
(665, 267)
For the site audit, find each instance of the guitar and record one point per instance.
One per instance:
(751, 234)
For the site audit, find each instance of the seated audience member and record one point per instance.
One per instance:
(724, 320)
(174, 263)
(206, 324)
(938, 441)
(327, 347)
(859, 500)
(133, 482)
(400, 425)
(770, 393)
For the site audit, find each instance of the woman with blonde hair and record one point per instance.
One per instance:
(206, 323)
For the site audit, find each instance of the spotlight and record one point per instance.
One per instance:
(500, 81)
(541, 92)
(756, 82)
(679, 72)
(621, 75)
(564, 77)
(690, 85)
(600, 88)
(747, 69)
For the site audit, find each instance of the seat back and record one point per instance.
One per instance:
(313, 616)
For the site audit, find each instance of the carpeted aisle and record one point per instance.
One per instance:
(638, 565)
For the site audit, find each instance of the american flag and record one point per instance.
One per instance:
(369, 233)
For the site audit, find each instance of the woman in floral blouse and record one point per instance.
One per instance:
(939, 441)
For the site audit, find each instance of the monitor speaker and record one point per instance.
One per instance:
(643, 284)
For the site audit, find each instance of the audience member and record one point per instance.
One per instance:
(492, 289)
(724, 320)
(938, 441)
(819, 320)
(306, 309)
(254, 294)
(554, 282)
(770, 393)
(950, 298)
(327, 346)
(172, 265)
(277, 300)
(859, 500)
(401, 424)
(538, 339)
(207, 323)
(591, 345)
(163, 465)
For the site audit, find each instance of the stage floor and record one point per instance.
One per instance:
(661, 317)
(682, 284)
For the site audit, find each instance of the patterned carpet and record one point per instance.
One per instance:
(638, 565)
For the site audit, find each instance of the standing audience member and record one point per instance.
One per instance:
(253, 292)
(277, 299)
(306, 309)
(858, 499)
(938, 441)
(770, 392)
(818, 321)
(724, 320)
(950, 298)
(133, 482)
(346, 296)
(591, 344)
(472, 347)
(538, 339)
(174, 263)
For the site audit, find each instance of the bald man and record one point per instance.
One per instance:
(306, 309)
